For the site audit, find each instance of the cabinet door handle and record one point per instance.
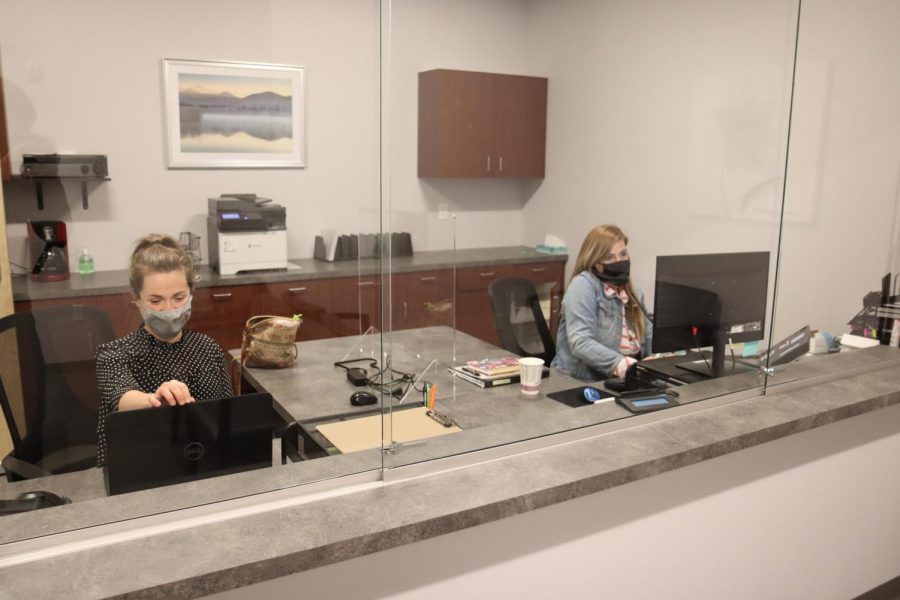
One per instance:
(428, 278)
(489, 163)
(297, 290)
(365, 283)
(224, 296)
(501, 164)
(404, 310)
(538, 269)
(488, 274)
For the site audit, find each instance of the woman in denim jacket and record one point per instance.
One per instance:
(603, 327)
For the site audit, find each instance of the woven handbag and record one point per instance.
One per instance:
(268, 342)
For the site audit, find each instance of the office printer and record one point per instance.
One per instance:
(246, 233)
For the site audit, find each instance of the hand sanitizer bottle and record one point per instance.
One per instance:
(85, 262)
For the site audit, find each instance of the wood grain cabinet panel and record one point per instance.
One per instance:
(473, 305)
(312, 299)
(479, 278)
(221, 312)
(356, 304)
(520, 125)
(549, 279)
(422, 299)
(344, 306)
(474, 315)
(122, 312)
(475, 124)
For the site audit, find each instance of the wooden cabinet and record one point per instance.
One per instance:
(475, 124)
(422, 299)
(330, 307)
(344, 306)
(122, 312)
(473, 312)
(312, 299)
(548, 277)
(474, 315)
(356, 304)
(221, 312)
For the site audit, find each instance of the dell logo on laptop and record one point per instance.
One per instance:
(194, 451)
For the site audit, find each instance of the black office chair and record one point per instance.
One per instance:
(519, 319)
(48, 388)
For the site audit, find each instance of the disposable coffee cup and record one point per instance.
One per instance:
(530, 371)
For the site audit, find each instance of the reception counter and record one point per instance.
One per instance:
(196, 554)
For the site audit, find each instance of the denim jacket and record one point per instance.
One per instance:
(590, 330)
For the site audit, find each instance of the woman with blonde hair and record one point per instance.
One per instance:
(161, 363)
(603, 328)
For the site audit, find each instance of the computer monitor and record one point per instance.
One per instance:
(705, 300)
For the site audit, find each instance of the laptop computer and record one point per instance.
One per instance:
(173, 444)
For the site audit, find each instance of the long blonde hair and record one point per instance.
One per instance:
(596, 246)
(157, 253)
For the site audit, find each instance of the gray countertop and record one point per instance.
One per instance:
(116, 281)
(247, 549)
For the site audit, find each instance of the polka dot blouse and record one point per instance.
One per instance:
(139, 361)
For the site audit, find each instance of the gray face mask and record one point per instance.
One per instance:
(166, 323)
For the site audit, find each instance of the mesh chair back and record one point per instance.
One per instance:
(48, 386)
(519, 319)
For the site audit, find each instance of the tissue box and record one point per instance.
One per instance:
(545, 249)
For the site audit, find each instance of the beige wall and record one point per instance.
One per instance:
(94, 85)
(670, 118)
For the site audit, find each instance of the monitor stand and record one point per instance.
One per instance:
(717, 362)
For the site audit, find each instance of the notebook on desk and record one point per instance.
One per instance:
(161, 446)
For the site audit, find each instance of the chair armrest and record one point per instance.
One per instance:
(73, 458)
(24, 470)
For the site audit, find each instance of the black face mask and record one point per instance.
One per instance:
(614, 273)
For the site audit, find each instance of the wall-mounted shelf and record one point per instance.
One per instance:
(39, 186)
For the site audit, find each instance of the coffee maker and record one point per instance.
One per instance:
(47, 250)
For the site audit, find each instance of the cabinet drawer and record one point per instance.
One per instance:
(356, 304)
(221, 312)
(428, 285)
(542, 272)
(479, 278)
(422, 299)
(312, 299)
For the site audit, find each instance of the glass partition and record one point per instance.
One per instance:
(434, 177)
(671, 124)
(249, 134)
(839, 241)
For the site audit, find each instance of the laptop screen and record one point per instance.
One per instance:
(172, 444)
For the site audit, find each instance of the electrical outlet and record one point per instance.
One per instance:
(442, 211)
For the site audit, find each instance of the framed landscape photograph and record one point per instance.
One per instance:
(234, 115)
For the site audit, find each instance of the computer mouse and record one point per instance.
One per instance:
(46, 498)
(362, 398)
(591, 394)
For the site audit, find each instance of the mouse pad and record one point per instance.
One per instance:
(575, 397)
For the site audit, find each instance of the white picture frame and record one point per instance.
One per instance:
(233, 114)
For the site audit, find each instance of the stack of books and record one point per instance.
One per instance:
(491, 372)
